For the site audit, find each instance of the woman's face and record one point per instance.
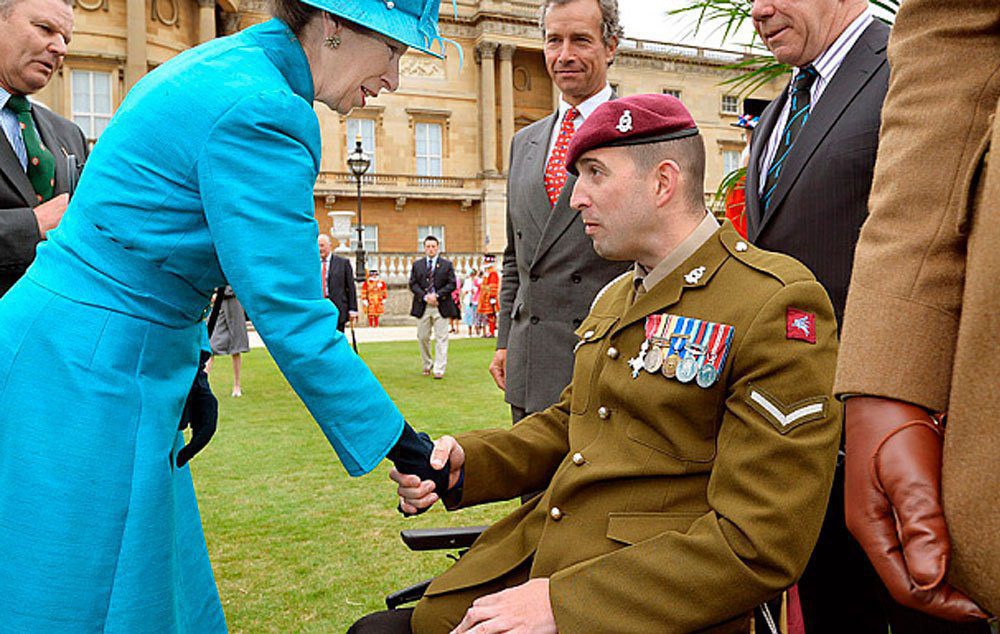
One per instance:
(357, 70)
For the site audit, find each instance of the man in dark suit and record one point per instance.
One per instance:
(432, 281)
(338, 283)
(550, 270)
(808, 179)
(36, 143)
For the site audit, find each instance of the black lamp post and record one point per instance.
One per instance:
(359, 163)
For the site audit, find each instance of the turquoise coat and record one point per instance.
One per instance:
(205, 174)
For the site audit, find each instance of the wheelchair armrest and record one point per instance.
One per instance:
(441, 538)
(407, 595)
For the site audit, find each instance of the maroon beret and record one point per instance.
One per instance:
(634, 120)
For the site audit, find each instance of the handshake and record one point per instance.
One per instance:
(424, 471)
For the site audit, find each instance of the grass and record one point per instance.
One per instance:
(296, 544)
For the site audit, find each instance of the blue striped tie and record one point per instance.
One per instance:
(798, 114)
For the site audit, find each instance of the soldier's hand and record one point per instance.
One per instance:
(892, 498)
(49, 213)
(523, 609)
(498, 368)
(416, 496)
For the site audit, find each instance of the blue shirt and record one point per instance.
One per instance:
(12, 129)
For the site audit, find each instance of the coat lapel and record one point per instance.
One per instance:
(14, 173)
(853, 75)
(534, 167)
(560, 218)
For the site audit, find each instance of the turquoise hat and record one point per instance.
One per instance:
(410, 22)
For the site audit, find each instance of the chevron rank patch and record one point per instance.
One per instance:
(800, 325)
(785, 417)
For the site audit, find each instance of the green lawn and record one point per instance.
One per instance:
(296, 544)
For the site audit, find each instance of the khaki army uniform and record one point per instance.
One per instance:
(669, 507)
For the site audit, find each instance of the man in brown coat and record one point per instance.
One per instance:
(687, 465)
(923, 320)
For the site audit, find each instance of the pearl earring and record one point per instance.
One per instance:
(333, 41)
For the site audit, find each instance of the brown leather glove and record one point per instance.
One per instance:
(892, 495)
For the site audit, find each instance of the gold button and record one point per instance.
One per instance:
(741, 246)
(578, 459)
(588, 334)
(613, 353)
(555, 513)
(603, 413)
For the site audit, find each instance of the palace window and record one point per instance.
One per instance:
(430, 230)
(366, 128)
(672, 92)
(730, 104)
(91, 104)
(370, 235)
(730, 161)
(429, 149)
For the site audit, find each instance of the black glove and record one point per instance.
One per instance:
(412, 455)
(201, 412)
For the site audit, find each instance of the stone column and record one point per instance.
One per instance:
(485, 53)
(135, 47)
(206, 20)
(506, 102)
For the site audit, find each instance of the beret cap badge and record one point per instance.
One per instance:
(625, 122)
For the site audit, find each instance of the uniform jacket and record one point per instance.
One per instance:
(822, 195)
(921, 323)
(18, 226)
(340, 288)
(444, 284)
(550, 275)
(210, 157)
(679, 508)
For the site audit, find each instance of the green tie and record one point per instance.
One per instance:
(41, 162)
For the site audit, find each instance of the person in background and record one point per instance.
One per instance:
(99, 526)
(373, 295)
(468, 301)
(230, 337)
(337, 276)
(456, 298)
(432, 281)
(489, 292)
(736, 197)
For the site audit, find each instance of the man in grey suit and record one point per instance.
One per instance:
(550, 270)
(36, 143)
(808, 179)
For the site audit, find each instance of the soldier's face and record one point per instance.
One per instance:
(798, 31)
(34, 35)
(576, 55)
(616, 205)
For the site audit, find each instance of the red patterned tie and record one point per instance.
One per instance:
(326, 264)
(555, 170)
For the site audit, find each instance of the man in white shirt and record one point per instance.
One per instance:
(808, 179)
(550, 270)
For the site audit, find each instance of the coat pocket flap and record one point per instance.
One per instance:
(632, 528)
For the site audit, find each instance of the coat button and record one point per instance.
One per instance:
(534, 278)
(577, 322)
(555, 513)
(578, 459)
(576, 278)
(519, 235)
(603, 413)
(534, 319)
(613, 352)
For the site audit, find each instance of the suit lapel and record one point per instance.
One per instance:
(853, 75)
(12, 171)
(534, 167)
(761, 137)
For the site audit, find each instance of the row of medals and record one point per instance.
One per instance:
(693, 367)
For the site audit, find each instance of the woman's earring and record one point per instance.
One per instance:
(332, 42)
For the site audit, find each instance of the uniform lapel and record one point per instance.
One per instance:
(853, 75)
(12, 171)
(761, 137)
(692, 274)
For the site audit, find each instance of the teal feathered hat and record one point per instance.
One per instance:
(410, 22)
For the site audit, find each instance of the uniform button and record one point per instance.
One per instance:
(613, 352)
(534, 278)
(588, 334)
(575, 278)
(603, 413)
(741, 246)
(534, 319)
(555, 513)
(578, 459)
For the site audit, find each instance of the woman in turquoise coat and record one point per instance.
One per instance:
(204, 176)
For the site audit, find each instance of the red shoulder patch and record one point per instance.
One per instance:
(800, 325)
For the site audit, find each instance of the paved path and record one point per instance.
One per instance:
(369, 335)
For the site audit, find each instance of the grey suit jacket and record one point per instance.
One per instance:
(822, 197)
(550, 276)
(18, 226)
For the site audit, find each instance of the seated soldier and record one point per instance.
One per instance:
(688, 464)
